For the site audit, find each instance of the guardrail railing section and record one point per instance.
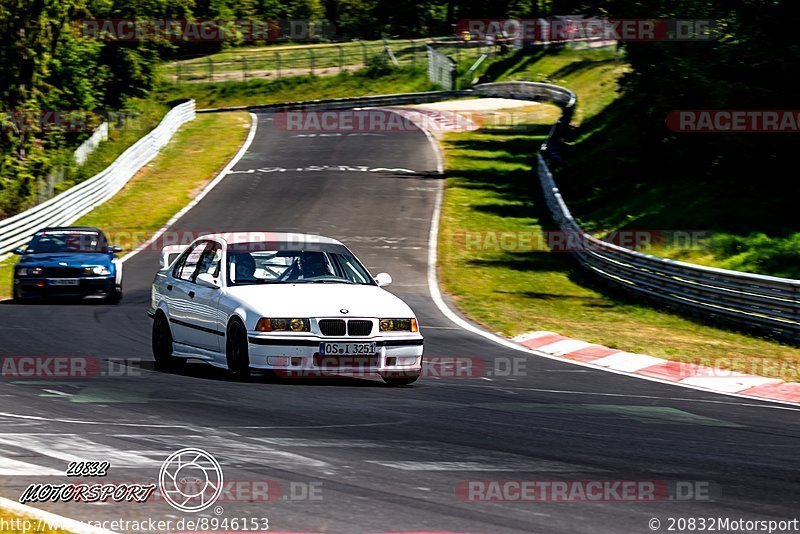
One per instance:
(766, 304)
(75, 202)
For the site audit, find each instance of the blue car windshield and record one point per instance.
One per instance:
(66, 241)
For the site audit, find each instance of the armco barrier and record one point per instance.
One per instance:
(766, 304)
(72, 204)
(351, 102)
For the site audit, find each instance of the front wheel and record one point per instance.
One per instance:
(236, 351)
(162, 344)
(400, 378)
(17, 298)
(115, 296)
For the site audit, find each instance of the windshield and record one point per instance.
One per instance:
(253, 263)
(67, 241)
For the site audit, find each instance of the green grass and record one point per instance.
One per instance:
(253, 92)
(491, 190)
(611, 184)
(194, 156)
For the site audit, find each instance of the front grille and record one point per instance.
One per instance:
(358, 327)
(332, 327)
(63, 272)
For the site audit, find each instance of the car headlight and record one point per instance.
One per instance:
(399, 325)
(29, 271)
(266, 324)
(96, 270)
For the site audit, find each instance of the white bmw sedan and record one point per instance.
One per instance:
(283, 303)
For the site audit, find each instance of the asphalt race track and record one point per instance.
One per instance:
(375, 458)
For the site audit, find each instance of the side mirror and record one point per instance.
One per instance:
(207, 280)
(383, 279)
(19, 251)
(114, 250)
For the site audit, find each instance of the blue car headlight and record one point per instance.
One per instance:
(96, 270)
(29, 271)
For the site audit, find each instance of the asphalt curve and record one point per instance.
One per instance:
(351, 455)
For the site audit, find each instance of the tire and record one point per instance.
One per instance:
(236, 350)
(16, 298)
(400, 378)
(162, 344)
(115, 296)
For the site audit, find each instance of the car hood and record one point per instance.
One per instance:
(72, 259)
(320, 300)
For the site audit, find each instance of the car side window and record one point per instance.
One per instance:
(186, 267)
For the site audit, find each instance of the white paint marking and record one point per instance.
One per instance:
(565, 346)
(731, 384)
(327, 443)
(15, 468)
(56, 392)
(69, 448)
(628, 362)
(532, 335)
(534, 467)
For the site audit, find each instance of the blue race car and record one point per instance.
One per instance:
(68, 262)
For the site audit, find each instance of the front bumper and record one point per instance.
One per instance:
(301, 356)
(40, 287)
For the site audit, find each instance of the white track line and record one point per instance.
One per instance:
(206, 190)
(436, 296)
(49, 519)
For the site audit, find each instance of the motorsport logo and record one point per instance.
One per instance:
(189, 464)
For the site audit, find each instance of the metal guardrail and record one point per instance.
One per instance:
(72, 204)
(766, 304)
(351, 102)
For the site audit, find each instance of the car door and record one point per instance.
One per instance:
(179, 286)
(202, 313)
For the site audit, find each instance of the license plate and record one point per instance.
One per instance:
(64, 282)
(346, 349)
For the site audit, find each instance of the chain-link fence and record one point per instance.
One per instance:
(244, 64)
